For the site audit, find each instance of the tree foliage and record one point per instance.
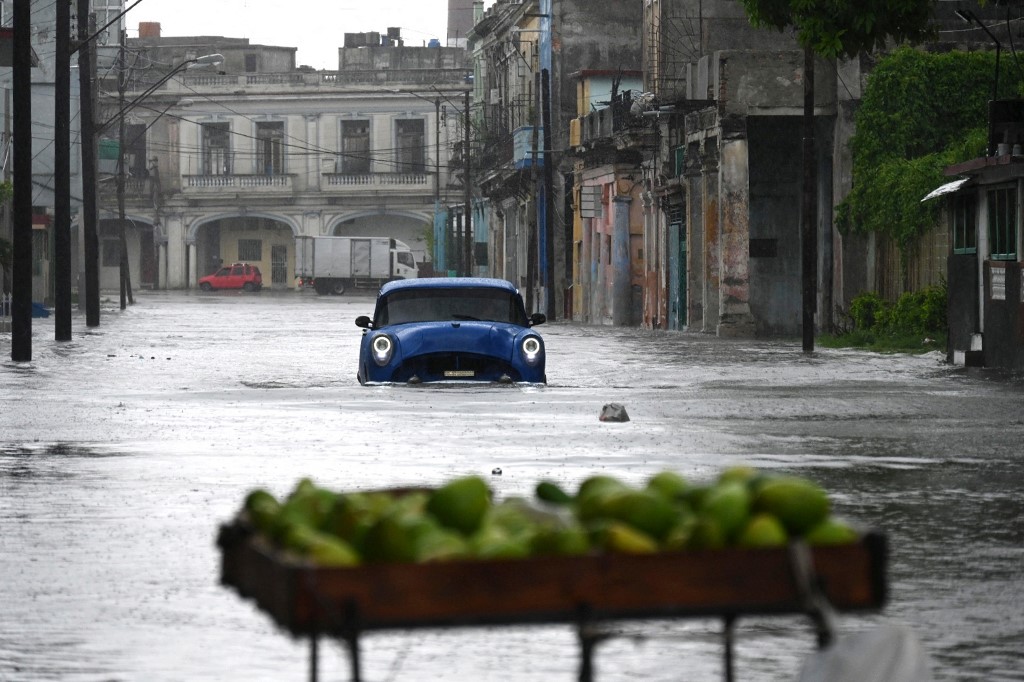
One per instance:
(834, 28)
(921, 112)
(918, 103)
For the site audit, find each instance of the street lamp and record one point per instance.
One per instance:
(205, 60)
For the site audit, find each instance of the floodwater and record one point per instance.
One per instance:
(123, 450)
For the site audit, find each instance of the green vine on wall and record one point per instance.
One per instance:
(921, 112)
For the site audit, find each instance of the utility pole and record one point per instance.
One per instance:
(90, 247)
(7, 231)
(124, 271)
(549, 196)
(21, 232)
(467, 220)
(62, 174)
(809, 223)
(437, 153)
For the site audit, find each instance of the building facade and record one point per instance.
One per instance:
(525, 55)
(232, 162)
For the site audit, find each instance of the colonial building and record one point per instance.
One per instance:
(232, 152)
(525, 57)
(716, 247)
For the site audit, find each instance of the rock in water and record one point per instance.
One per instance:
(614, 412)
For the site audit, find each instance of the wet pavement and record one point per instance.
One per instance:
(123, 450)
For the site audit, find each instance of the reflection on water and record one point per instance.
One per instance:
(121, 454)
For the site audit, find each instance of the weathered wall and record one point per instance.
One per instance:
(1004, 316)
(586, 35)
(776, 182)
(963, 317)
(168, 51)
(399, 58)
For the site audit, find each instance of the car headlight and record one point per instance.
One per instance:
(382, 347)
(532, 350)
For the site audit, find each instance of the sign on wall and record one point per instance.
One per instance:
(997, 283)
(590, 201)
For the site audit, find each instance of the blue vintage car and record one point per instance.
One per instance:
(450, 329)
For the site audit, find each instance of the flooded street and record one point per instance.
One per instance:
(123, 450)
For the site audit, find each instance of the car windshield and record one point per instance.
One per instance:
(437, 305)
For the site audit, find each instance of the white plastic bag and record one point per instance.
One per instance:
(888, 653)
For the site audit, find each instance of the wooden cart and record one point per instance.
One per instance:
(310, 601)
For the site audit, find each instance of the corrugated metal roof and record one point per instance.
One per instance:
(945, 189)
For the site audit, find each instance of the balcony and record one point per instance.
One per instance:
(134, 189)
(340, 182)
(603, 124)
(200, 185)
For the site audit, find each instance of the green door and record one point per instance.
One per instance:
(677, 269)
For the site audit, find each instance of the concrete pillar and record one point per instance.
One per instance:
(161, 264)
(586, 270)
(694, 241)
(175, 259)
(649, 309)
(193, 256)
(734, 315)
(621, 276)
(711, 237)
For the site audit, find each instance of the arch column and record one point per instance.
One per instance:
(161, 265)
(175, 276)
(622, 284)
(193, 257)
(734, 317)
(586, 270)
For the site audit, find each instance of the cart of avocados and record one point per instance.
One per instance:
(324, 563)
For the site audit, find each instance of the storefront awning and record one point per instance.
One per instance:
(945, 189)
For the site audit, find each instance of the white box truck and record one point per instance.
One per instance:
(334, 264)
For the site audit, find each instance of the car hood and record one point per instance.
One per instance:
(485, 338)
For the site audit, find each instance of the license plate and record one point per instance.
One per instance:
(459, 373)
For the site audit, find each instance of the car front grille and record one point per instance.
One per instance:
(456, 366)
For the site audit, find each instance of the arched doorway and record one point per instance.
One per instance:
(266, 241)
(412, 228)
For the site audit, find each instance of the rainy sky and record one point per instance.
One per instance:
(316, 27)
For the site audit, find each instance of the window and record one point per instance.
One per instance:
(1002, 223)
(405, 258)
(409, 134)
(270, 148)
(250, 63)
(250, 249)
(963, 208)
(436, 305)
(216, 149)
(355, 147)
